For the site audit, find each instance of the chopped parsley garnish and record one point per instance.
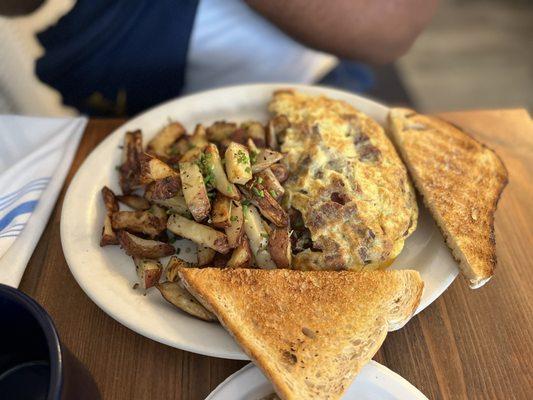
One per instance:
(259, 180)
(247, 169)
(245, 202)
(258, 192)
(242, 158)
(264, 235)
(233, 218)
(253, 156)
(273, 193)
(209, 179)
(207, 168)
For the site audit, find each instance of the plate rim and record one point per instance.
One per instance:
(374, 364)
(68, 203)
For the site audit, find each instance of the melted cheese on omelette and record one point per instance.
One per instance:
(347, 181)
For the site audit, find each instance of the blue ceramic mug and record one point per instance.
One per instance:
(34, 365)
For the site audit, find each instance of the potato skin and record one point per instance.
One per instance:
(267, 205)
(134, 201)
(177, 295)
(130, 169)
(280, 171)
(242, 255)
(194, 190)
(138, 247)
(139, 221)
(198, 233)
(279, 246)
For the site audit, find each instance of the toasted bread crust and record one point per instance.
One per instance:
(461, 182)
(310, 332)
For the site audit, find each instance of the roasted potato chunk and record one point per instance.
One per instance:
(276, 126)
(138, 247)
(214, 172)
(238, 166)
(205, 255)
(162, 142)
(153, 169)
(198, 233)
(199, 138)
(166, 188)
(239, 136)
(175, 204)
(176, 294)
(173, 265)
(270, 183)
(148, 271)
(109, 237)
(220, 260)
(236, 230)
(177, 150)
(258, 238)
(192, 155)
(220, 130)
(130, 168)
(279, 246)
(241, 257)
(280, 171)
(256, 132)
(264, 159)
(159, 212)
(139, 221)
(194, 190)
(110, 200)
(269, 207)
(134, 201)
(221, 212)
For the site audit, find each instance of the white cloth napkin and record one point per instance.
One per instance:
(35, 156)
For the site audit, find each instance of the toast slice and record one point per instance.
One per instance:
(310, 332)
(460, 180)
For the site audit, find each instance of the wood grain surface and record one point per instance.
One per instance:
(466, 345)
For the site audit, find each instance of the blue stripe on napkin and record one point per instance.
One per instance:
(15, 228)
(8, 235)
(23, 208)
(22, 194)
(19, 192)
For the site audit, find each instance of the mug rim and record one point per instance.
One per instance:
(50, 333)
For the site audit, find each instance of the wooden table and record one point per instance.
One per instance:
(467, 344)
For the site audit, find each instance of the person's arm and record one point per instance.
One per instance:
(376, 31)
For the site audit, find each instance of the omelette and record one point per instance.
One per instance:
(350, 200)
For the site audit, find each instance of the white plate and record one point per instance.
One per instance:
(107, 274)
(374, 382)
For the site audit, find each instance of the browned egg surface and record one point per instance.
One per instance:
(348, 183)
